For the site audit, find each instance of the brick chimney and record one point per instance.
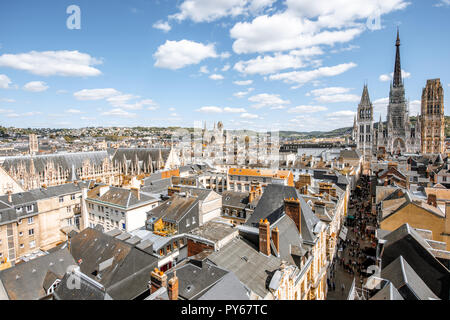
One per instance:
(158, 279)
(276, 239)
(264, 237)
(294, 211)
(9, 196)
(172, 288)
(432, 200)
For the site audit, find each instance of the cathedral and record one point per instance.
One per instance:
(398, 135)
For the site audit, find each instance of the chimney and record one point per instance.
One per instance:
(9, 196)
(136, 193)
(264, 237)
(173, 287)
(432, 200)
(294, 211)
(158, 279)
(276, 239)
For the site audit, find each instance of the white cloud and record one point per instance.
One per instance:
(388, 77)
(26, 114)
(51, 63)
(233, 110)
(242, 94)
(208, 10)
(269, 64)
(216, 76)
(35, 86)
(344, 114)
(162, 25)
(204, 69)
(5, 111)
(301, 77)
(267, 100)
(214, 109)
(7, 100)
(243, 82)
(249, 116)
(334, 94)
(329, 91)
(178, 54)
(307, 109)
(74, 111)
(285, 31)
(342, 13)
(226, 67)
(210, 109)
(415, 107)
(442, 3)
(117, 112)
(95, 94)
(4, 81)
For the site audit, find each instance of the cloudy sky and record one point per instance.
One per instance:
(258, 64)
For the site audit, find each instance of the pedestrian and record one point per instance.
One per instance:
(342, 288)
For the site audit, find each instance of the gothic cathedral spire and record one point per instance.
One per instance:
(397, 82)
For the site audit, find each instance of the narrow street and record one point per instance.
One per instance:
(357, 252)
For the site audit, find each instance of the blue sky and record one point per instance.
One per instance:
(258, 64)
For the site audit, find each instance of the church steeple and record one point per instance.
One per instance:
(397, 82)
(365, 100)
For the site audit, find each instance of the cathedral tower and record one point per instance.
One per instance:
(364, 124)
(433, 120)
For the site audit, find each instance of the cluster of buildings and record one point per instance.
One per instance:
(151, 228)
(216, 219)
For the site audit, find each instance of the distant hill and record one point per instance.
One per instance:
(345, 131)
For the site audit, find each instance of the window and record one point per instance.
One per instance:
(31, 232)
(32, 244)
(30, 220)
(161, 252)
(29, 208)
(20, 233)
(22, 246)
(61, 199)
(175, 245)
(1, 255)
(169, 248)
(193, 220)
(72, 197)
(123, 226)
(19, 209)
(69, 209)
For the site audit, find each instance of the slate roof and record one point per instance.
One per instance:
(409, 284)
(252, 268)
(406, 242)
(271, 204)
(289, 237)
(235, 199)
(129, 273)
(124, 198)
(86, 291)
(26, 281)
(195, 277)
(389, 292)
(227, 288)
(143, 155)
(174, 209)
(66, 161)
(350, 154)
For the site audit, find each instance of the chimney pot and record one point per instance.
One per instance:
(264, 237)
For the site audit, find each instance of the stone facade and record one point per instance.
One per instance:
(433, 119)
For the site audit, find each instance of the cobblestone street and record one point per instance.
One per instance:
(356, 252)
